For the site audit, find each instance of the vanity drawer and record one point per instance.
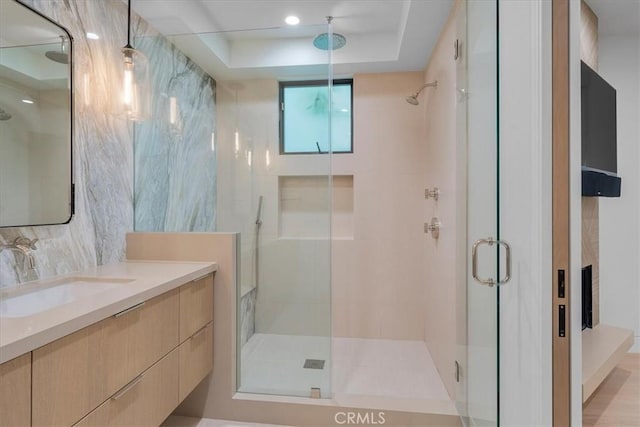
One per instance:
(196, 306)
(15, 392)
(196, 359)
(146, 401)
(75, 374)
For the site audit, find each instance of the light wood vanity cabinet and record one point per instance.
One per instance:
(196, 333)
(129, 369)
(75, 374)
(145, 401)
(196, 359)
(196, 306)
(15, 392)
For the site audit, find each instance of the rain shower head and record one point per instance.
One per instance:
(321, 41)
(4, 115)
(57, 56)
(413, 99)
(60, 56)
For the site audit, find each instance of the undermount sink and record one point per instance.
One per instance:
(21, 302)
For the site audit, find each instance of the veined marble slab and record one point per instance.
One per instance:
(175, 159)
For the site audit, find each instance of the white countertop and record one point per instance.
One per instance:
(140, 281)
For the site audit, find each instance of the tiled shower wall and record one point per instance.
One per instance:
(103, 141)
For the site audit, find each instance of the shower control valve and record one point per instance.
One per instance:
(432, 193)
(433, 227)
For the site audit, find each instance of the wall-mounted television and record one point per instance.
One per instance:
(599, 136)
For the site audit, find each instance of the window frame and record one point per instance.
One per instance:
(308, 83)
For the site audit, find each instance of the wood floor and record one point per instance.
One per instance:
(616, 402)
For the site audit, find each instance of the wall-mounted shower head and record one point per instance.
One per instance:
(413, 99)
(61, 56)
(4, 115)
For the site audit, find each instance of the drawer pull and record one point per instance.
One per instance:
(201, 277)
(199, 332)
(128, 387)
(130, 309)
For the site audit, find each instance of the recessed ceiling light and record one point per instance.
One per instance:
(27, 101)
(292, 20)
(93, 36)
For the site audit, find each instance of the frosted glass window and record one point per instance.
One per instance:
(304, 117)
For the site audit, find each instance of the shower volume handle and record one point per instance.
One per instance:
(433, 227)
(474, 262)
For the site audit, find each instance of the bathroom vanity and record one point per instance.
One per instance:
(124, 355)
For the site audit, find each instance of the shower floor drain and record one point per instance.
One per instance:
(314, 364)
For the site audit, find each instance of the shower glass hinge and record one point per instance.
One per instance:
(315, 393)
(456, 50)
(313, 364)
(457, 372)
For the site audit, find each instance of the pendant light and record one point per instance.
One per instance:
(136, 94)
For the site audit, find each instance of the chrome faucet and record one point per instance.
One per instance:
(25, 246)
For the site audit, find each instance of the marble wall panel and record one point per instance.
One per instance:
(175, 158)
(247, 317)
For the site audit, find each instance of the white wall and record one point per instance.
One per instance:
(525, 213)
(379, 274)
(294, 282)
(442, 164)
(620, 217)
(575, 207)
(377, 259)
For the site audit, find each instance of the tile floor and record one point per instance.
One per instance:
(273, 364)
(176, 421)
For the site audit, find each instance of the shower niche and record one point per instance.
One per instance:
(303, 203)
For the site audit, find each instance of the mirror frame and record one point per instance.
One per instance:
(72, 184)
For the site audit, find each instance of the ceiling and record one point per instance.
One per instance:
(617, 17)
(239, 39)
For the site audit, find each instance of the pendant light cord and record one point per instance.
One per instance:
(129, 25)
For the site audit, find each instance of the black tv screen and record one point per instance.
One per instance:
(598, 122)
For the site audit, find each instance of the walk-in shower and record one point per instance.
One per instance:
(339, 292)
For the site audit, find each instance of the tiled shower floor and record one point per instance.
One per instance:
(393, 372)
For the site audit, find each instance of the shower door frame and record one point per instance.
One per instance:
(525, 214)
(477, 366)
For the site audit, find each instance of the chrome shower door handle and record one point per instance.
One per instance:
(474, 262)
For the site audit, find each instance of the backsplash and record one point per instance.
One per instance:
(103, 142)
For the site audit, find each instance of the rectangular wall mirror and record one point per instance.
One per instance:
(36, 178)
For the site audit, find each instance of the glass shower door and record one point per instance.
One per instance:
(477, 367)
(276, 192)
